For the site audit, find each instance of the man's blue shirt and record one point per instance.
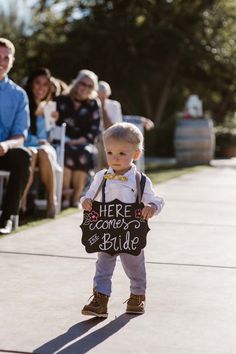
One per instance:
(14, 110)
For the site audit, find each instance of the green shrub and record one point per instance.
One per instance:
(226, 138)
(160, 141)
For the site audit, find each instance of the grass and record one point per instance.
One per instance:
(156, 172)
(159, 174)
(39, 219)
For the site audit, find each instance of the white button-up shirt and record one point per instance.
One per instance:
(125, 191)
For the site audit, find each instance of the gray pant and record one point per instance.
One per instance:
(134, 267)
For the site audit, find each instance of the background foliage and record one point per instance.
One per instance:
(154, 53)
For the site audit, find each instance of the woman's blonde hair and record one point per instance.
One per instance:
(127, 132)
(82, 74)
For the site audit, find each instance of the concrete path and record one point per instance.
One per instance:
(46, 278)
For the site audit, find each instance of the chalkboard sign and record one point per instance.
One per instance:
(114, 227)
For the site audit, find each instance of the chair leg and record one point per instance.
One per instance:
(15, 219)
(59, 183)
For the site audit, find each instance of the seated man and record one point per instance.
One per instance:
(14, 123)
(111, 109)
(111, 114)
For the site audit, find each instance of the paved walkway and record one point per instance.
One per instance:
(46, 277)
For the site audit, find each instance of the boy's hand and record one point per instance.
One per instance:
(87, 204)
(148, 211)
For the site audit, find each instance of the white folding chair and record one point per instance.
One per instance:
(4, 175)
(57, 139)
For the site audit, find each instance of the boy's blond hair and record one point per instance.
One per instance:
(127, 132)
(8, 44)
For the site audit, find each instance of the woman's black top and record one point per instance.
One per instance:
(81, 122)
(84, 122)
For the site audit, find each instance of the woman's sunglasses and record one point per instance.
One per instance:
(89, 86)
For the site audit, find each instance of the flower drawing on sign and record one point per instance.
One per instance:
(93, 216)
(138, 213)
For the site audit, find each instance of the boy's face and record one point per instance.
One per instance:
(120, 154)
(6, 61)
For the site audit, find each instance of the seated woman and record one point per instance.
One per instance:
(38, 88)
(80, 111)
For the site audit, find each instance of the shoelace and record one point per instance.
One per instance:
(137, 298)
(95, 297)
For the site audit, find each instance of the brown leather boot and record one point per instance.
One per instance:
(97, 306)
(136, 304)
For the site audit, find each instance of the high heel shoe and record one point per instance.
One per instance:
(51, 213)
(52, 209)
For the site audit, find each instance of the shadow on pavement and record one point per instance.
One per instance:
(61, 344)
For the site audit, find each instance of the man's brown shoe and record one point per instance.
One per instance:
(136, 304)
(97, 306)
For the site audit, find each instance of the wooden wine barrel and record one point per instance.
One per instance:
(194, 141)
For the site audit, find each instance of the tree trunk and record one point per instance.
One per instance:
(165, 94)
(147, 101)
